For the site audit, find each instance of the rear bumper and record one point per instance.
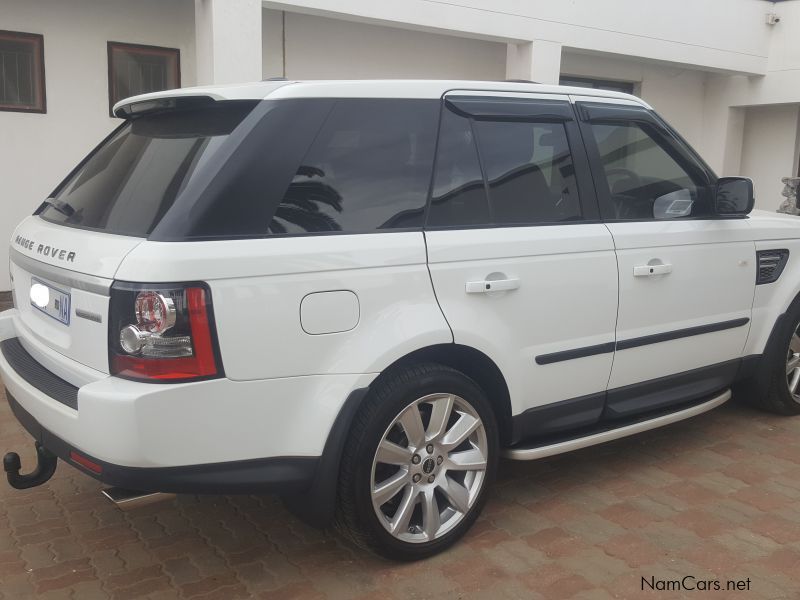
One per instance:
(282, 475)
(210, 436)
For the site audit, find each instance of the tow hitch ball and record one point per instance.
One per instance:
(45, 467)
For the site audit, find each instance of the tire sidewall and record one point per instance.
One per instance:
(442, 380)
(779, 358)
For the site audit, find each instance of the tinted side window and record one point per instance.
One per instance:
(529, 170)
(369, 168)
(459, 193)
(646, 176)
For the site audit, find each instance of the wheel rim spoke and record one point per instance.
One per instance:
(460, 431)
(794, 343)
(411, 422)
(794, 381)
(440, 415)
(456, 494)
(402, 517)
(467, 460)
(390, 453)
(431, 520)
(389, 488)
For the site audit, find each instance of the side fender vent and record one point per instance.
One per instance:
(770, 265)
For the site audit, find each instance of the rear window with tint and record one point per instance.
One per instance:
(134, 178)
(369, 168)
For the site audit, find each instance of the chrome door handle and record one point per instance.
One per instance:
(497, 285)
(651, 270)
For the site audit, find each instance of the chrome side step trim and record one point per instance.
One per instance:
(614, 434)
(130, 499)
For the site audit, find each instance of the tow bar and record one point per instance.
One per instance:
(45, 467)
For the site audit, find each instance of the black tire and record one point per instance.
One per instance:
(778, 398)
(356, 518)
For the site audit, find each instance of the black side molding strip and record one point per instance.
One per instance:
(645, 340)
(553, 357)
(681, 333)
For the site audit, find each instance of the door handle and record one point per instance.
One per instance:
(497, 285)
(651, 270)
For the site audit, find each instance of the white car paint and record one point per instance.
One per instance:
(711, 279)
(549, 312)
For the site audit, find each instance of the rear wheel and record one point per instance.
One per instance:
(418, 463)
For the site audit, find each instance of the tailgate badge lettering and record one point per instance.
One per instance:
(51, 251)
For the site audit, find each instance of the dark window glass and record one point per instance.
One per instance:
(529, 170)
(598, 84)
(134, 70)
(459, 194)
(21, 72)
(134, 178)
(369, 168)
(646, 176)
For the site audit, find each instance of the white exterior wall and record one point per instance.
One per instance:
(228, 41)
(38, 150)
(769, 151)
(322, 48)
(715, 34)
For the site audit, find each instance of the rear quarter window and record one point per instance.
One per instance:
(368, 169)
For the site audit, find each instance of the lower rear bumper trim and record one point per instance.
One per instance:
(283, 474)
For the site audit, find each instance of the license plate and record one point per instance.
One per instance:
(50, 300)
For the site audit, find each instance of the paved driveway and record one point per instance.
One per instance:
(714, 498)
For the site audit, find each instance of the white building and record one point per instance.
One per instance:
(725, 73)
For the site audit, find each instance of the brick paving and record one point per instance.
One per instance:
(716, 498)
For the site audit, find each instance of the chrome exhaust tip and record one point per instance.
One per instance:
(130, 499)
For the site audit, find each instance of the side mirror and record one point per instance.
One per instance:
(733, 196)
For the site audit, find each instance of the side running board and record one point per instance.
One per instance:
(559, 447)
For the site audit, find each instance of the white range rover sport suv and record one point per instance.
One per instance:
(360, 295)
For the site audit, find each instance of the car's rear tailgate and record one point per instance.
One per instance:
(74, 265)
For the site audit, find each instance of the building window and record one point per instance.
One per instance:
(625, 87)
(134, 69)
(22, 72)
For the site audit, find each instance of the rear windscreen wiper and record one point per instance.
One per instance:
(63, 207)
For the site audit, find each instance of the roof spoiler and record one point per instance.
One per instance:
(145, 106)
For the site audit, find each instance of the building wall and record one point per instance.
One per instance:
(769, 151)
(37, 150)
(322, 48)
(715, 34)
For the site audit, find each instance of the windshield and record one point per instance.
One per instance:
(134, 177)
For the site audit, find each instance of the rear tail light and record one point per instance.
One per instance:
(162, 332)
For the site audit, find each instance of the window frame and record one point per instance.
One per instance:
(39, 70)
(144, 49)
(610, 113)
(488, 107)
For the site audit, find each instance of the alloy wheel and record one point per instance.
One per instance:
(429, 468)
(793, 364)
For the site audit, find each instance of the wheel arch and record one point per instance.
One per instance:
(316, 505)
(475, 365)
